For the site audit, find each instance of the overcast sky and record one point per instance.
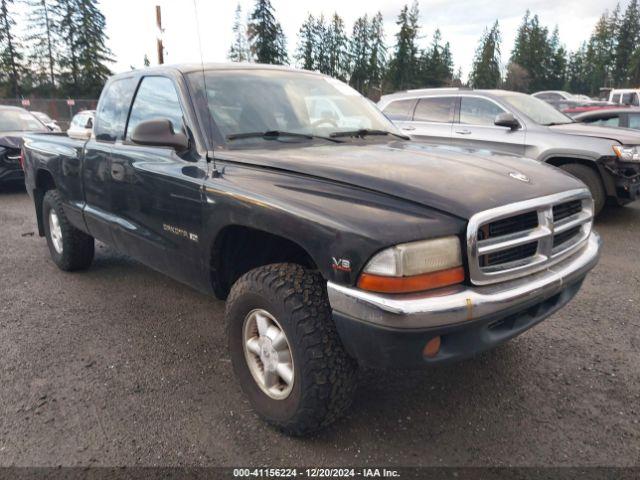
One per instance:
(132, 32)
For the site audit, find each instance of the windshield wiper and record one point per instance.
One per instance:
(363, 132)
(275, 134)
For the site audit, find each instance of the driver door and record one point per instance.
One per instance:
(157, 192)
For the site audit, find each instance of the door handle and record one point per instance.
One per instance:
(464, 132)
(408, 129)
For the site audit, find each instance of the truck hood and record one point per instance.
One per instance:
(453, 180)
(621, 135)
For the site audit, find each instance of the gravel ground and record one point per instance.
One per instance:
(120, 365)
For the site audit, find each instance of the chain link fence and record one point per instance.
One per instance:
(60, 109)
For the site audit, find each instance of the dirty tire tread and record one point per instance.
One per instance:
(329, 371)
(592, 179)
(78, 247)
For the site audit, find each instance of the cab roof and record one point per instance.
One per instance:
(186, 68)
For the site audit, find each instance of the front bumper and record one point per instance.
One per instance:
(627, 189)
(391, 330)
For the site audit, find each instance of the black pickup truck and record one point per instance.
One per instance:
(336, 241)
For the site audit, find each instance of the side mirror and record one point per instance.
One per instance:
(159, 133)
(89, 123)
(507, 119)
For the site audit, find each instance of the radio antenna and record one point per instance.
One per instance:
(210, 154)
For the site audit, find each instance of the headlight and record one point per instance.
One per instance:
(414, 267)
(627, 153)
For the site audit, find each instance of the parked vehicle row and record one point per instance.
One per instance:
(15, 123)
(336, 240)
(612, 117)
(625, 96)
(49, 122)
(570, 103)
(607, 160)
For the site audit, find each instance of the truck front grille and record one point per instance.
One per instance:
(518, 239)
(566, 209)
(505, 226)
(512, 254)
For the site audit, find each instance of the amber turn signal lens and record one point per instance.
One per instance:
(432, 347)
(415, 283)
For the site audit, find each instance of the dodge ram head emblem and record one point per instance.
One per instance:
(519, 176)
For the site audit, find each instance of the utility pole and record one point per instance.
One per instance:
(160, 31)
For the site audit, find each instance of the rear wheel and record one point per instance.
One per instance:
(70, 248)
(592, 180)
(285, 349)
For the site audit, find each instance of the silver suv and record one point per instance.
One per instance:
(607, 160)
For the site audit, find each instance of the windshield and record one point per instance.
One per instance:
(19, 121)
(537, 110)
(252, 101)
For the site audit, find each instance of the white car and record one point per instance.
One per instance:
(625, 96)
(48, 121)
(82, 125)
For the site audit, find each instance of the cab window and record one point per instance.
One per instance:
(156, 98)
(111, 116)
(435, 109)
(478, 111)
(399, 110)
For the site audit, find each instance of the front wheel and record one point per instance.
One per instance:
(591, 179)
(285, 349)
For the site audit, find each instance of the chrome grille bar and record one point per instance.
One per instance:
(543, 235)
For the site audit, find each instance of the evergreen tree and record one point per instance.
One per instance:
(634, 67)
(84, 55)
(377, 55)
(266, 38)
(239, 51)
(321, 47)
(557, 63)
(360, 52)
(10, 54)
(576, 75)
(93, 54)
(338, 48)
(305, 51)
(404, 63)
(600, 57)
(436, 64)
(533, 53)
(324, 46)
(627, 40)
(485, 72)
(67, 29)
(41, 24)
